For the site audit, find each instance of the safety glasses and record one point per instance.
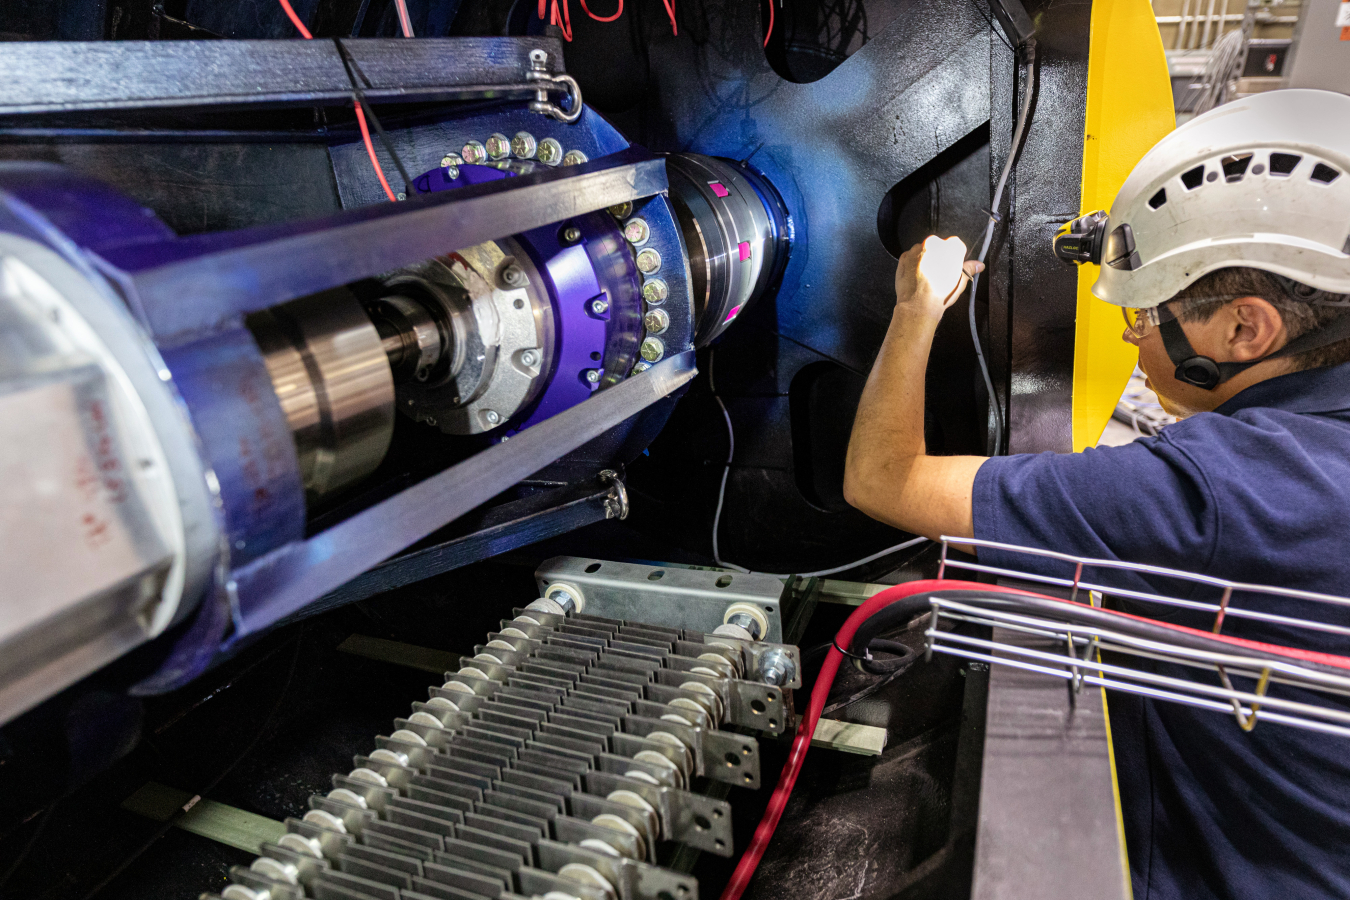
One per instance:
(1139, 322)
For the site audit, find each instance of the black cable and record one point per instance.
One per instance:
(179, 813)
(353, 70)
(871, 689)
(32, 840)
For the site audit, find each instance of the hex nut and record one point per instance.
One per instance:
(474, 153)
(652, 349)
(523, 145)
(655, 290)
(649, 261)
(550, 152)
(776, 668)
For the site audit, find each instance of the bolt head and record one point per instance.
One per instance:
(649, 261)
(575, 158)
(452, 159)
(776, 668)
(652, 349)
(523, 145)
(655, 290)
(572, 234)
(550, 152)
(599, 307)
(640, 366)
(529, 358)
(498, 146)
(593, 376)
(656, 321)
(402, 196)
(513, 275)
(636, 231)
(474, 153)
(492, 416)
(622, 210)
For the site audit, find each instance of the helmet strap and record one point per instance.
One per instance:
(1204, 372)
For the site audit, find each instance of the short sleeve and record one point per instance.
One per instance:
(1143, 502)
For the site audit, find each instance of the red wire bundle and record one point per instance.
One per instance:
(558, 14)
(360, 115)
(824, 681)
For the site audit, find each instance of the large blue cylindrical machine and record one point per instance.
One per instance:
(175, 409)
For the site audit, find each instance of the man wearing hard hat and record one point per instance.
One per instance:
(1228, 249)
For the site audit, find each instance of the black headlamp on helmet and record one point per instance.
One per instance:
(1086, 240)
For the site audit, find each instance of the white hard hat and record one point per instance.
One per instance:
(1262, 183)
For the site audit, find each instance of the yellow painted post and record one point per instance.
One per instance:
(1129, 109)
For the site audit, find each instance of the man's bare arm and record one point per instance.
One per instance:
(888, 473)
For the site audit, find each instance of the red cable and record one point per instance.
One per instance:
(370, 151)
(670, 11)
(295, 20)
(360, 116)
(824, 681)
(618, 12)
(768, 31)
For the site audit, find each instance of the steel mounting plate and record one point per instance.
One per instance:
(675, 597)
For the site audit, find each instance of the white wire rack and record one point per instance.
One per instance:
(1067, 640)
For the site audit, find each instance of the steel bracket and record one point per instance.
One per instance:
(694, 599)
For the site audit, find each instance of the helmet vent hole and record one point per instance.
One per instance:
(1283, 163)
(1194, 178)
(1158, 199)
(1324, 173)
(1234, 167)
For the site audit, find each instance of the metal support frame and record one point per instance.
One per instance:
(89, 76)
(1048, 826)
(509, 526)
(231, 274)
(696, 599)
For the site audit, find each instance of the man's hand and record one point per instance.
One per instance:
(888, 473)
(931, 276)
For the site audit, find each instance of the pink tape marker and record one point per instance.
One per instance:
(731, 315)
(745, 250)
(719, 189)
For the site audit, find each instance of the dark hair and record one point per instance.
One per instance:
(1294, 301)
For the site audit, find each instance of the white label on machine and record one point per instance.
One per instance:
(1343, 14)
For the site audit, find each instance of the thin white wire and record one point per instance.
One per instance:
(1028, 93)
(721, 499)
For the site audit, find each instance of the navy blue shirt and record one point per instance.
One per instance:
(1257, 491)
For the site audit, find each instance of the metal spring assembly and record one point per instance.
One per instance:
(1066, 640)
(551, 764)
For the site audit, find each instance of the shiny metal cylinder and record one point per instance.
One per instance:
(737, 233)
(332, 377)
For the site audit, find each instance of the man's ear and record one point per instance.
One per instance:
(1254, 329)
